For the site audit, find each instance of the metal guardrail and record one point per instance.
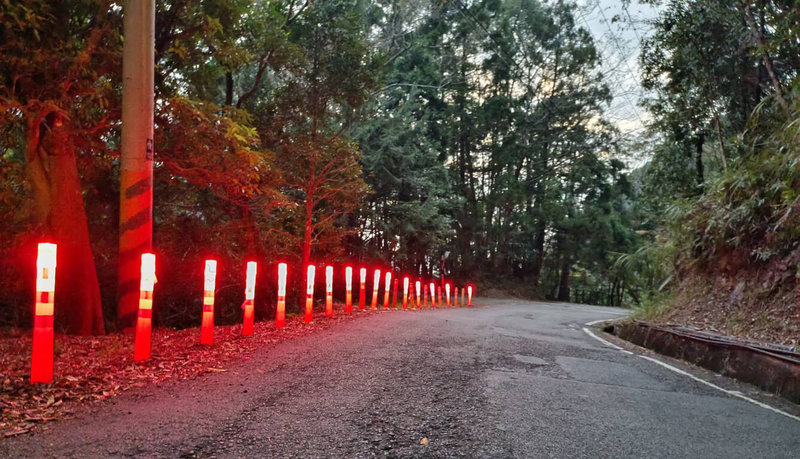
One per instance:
(778, 351)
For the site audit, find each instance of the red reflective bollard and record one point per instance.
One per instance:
(310, 270)
(42, 351)
(447, 294)
(249, 298)
(348, 283)
(280, 309)
(209, 285)
(433, 294)
(144, 321)
(376, 283)
(329, 291)
(405, 293)
(387, 287)
(418, 288)
(469, 295)
(362, 297)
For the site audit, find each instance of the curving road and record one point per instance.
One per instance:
(504, 379)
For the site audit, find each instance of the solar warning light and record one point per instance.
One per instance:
(309, 293)
(42, 352)
(144, 321)
(249, 298)
(405, 292)
(209, 285)
(348, 283)
(280, 310)
(329, 291)
(387, 287)
(362, 289)
(376, 283)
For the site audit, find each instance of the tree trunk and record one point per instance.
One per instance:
(538, 256)
(699, 162)
(309, 227)
(53, 171)
(254, 245)
(563, 283)
(228, 88)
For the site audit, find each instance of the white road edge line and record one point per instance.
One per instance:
(684, 373)
(607, 343)
(595, 322)
(729, 392)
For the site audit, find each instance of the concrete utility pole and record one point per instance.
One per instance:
(136, 165)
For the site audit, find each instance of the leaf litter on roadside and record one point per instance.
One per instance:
(93, 368)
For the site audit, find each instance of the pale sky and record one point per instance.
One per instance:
(618, 32)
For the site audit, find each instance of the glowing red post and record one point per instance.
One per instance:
(42, 353)
(209, 285)
(433, 294)
(147, 280)
(405, 293)
(394, 294)
(376, 283)
(418, 287)
(348, 282)
(309, 293)
(469, 296)
(362, 297)
(424, 299)
(455, 296)
(329, 291)
(463, 292)
(387, 287)
(249, 298)
(447, 293)
(439, 295)
(280, 310)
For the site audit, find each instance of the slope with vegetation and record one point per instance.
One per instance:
(726, 154)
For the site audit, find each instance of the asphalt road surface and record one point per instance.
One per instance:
(503, 379)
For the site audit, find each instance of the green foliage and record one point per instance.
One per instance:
(752, 208)
(728, 72)
(487, 148)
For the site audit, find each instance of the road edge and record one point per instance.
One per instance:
(677, 370)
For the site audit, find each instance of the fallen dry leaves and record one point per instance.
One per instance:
(94, 368)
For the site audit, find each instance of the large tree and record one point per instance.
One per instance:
(56, 101)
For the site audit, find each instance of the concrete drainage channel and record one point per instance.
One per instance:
(772, 368)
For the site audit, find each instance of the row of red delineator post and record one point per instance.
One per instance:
(42, 353)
